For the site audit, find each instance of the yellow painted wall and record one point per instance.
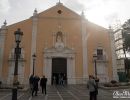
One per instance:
(48, 24)
(26, 28)
(98, 36)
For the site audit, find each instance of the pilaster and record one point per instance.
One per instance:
(34, 37)
(84, 48)
(71, 79)
(3, 32)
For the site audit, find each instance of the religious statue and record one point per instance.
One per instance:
(59, 37)
(59, 40)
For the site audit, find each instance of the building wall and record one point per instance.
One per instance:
(71, 27)
(99, 37)
(47, 24)
(26, 27)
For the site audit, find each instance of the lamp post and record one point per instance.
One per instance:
(34, 58)
(18, 36)
(95, 63)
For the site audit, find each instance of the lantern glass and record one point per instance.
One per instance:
(34, 56)
(18, 35)
(94, 57)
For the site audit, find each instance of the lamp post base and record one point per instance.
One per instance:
(14, 93)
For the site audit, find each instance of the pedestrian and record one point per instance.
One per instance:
(91, 85)
(35, 85)
(31, 81)
(61, 80)
(64, 79)
(43, 83)
(54, 80)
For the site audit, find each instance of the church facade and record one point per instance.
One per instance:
(64, 44)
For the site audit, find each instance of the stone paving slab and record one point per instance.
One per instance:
(70, 92)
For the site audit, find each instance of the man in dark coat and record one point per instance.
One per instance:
(35, 85)
(31, 82)
(43, 83)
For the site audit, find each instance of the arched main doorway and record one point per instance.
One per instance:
(59, 70)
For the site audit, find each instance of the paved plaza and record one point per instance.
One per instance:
(70, 92)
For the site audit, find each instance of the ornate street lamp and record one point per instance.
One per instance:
(34, 58)
(18, 36)
(95, 63)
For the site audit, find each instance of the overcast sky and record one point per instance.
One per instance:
(101, 12)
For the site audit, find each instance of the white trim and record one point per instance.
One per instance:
(34, 39)
(47, 69)
(102, 71)
(2, 42)
(71, 71)
(65, 53)
(84, 47)
(21, 70)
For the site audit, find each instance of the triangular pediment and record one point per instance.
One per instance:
(53, 12)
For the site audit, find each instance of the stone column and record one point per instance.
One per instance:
(34, 37)
(3, 32)
(84, 48)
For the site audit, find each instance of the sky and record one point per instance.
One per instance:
(100, 12)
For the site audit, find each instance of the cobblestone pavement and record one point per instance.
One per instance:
(70, 92)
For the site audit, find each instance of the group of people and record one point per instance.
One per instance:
(34, 81)
(58, 79)
(92, 85)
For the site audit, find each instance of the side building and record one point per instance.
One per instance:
(121, 37)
